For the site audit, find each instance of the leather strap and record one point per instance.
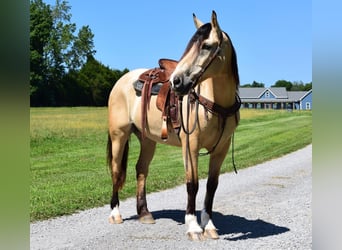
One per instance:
(216, 108)
(161, 103)
(162, 96)
(167, 102)
(165, 99)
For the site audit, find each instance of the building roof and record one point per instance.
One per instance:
(250, 92)
(296, 95)
(280, 94)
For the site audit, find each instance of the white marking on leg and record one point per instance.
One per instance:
(115, 212)
(206, 222)
(191, 222)
(115, 216)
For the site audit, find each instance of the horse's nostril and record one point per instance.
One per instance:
(176, 81)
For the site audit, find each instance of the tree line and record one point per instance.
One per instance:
(63, 69)
(290, 86)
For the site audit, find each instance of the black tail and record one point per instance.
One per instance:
(109, 153)
(120, 180)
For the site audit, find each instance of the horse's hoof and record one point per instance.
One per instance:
(195, 236)
(211, 234)
(115, 220)
(147, 219)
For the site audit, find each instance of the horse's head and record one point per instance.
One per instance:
(208, 53)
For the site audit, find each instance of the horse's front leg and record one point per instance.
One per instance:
(190, 154)
(216, 160)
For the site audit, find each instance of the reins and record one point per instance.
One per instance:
(209, 106)
(186, 130)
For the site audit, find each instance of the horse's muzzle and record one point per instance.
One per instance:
(181, 85)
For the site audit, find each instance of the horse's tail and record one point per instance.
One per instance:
(120, 180)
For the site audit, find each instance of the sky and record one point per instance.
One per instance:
(272, 39)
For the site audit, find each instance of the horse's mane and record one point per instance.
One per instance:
(235, 69)
(234, 64)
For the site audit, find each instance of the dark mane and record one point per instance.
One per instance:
(201, 34)
(234, 64)
(235, 69)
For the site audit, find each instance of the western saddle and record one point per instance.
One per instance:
(157, 81)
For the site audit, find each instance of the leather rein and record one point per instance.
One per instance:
(211, 107)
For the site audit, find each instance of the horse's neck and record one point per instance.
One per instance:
(220, 89)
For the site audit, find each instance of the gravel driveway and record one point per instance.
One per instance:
(267, 206)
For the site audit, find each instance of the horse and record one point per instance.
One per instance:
(206, 80)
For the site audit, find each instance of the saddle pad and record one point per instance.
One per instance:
(138, 85)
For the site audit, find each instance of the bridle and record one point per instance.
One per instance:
(187, 131)
(209, 106)
(211, 59)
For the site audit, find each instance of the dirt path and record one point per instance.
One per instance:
(267, 206)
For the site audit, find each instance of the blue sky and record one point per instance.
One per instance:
(273, 39)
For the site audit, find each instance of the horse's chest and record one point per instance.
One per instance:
(214, 129)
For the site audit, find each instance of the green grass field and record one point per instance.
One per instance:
(68, 155)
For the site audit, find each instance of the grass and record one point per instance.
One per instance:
(68, 155)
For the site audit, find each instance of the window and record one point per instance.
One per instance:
(267, 94)
(307, 105)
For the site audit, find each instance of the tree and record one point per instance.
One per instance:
(82, 48)
(254, 85)
(41, 23)
(55, 50)
(96, 81)
(283, 83)
(297, 86)
(300, 86)
(258, 85)
(308, 86)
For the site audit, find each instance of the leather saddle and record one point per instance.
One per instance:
(157, 82)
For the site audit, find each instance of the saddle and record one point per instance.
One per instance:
(157, 81)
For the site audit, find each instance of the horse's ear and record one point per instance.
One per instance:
(215, 25)
(214, 22)
(197, 22)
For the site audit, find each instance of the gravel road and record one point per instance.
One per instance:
(267, 206)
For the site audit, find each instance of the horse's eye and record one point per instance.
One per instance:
(206, 46)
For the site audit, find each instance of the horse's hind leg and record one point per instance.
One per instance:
(117, 155)
(147, 148)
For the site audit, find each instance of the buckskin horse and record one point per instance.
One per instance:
(204, 84)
